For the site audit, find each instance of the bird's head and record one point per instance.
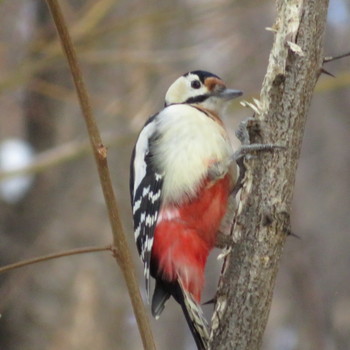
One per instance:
(200, 88)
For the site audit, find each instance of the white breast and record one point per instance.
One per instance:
(188, 142)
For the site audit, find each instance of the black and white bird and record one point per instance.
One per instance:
(181, 179)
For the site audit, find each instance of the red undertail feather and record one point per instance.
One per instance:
(185, 235)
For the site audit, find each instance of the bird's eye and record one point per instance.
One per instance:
(195, 84)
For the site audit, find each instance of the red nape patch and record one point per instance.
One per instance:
(183, 240)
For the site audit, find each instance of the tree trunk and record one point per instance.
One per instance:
(262, 221)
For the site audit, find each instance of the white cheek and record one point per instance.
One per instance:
(181, 90)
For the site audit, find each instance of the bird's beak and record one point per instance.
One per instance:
(229, 94)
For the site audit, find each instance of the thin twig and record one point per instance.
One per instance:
(100, 153)
(334, 58)
(39, 259)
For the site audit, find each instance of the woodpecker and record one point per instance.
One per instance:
(181, 178)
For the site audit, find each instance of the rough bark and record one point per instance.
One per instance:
(262, 221)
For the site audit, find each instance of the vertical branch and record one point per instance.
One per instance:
(262, 222)
(123, 254)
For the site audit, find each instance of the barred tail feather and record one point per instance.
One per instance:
(190, 307)
(194, 317)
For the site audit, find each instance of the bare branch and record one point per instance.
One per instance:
(334, 58)
(53, 256)
(100, 153)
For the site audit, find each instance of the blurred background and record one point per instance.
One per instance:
(130, 52)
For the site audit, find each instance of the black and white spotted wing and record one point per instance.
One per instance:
(145, 189)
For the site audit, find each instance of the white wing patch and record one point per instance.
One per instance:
(141, 150)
